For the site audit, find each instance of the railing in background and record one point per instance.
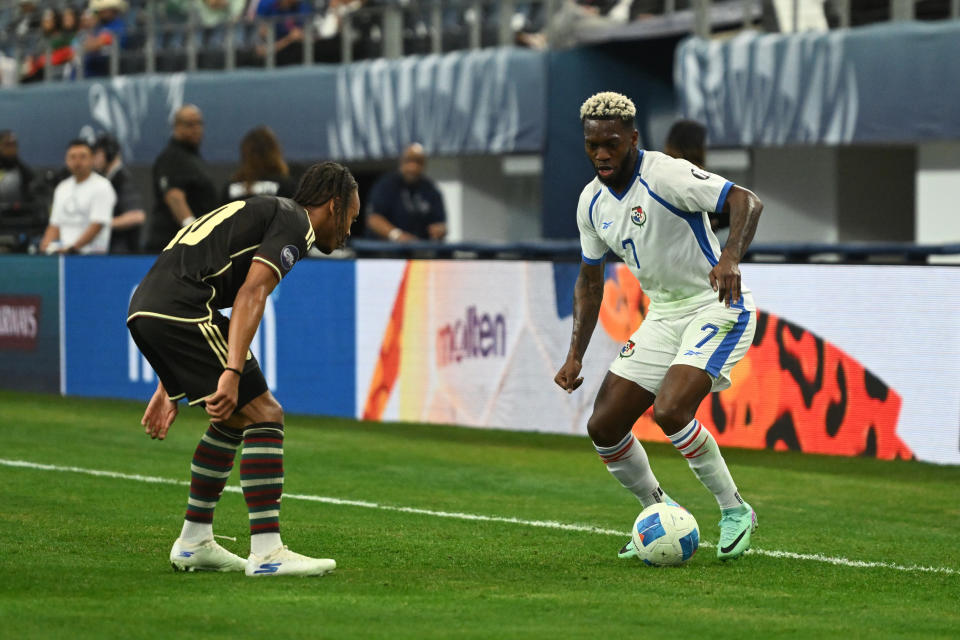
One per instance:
(155, 42)
(569, 250)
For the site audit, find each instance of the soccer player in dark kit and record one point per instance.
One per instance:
(233, 256)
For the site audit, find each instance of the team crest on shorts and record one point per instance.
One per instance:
(638, 216)
(627, 349)
(289, 256)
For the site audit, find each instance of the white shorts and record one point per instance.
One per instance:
(712, 338)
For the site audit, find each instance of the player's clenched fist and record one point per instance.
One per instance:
(221, 404)
(567, 378)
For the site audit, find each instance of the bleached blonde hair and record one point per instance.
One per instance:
(608, 105)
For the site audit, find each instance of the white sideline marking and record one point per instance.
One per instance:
(546, 524)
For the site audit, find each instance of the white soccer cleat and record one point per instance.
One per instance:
(205, 556)
(283, 562)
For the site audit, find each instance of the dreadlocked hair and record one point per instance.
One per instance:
(608, 105)
(323, 181)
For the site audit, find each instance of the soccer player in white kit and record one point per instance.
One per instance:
(651, 211)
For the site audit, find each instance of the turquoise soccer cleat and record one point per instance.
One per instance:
(736, 526)
(627, 550)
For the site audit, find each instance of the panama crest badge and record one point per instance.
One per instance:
(638, 216)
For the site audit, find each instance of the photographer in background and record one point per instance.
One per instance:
(128, 213)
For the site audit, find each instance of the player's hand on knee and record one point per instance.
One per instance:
(567, 378)
(222, 403)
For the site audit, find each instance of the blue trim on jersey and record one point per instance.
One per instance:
(636, 174)
(719, 357)
(695, 220)
(593, 261)
(593, 202)
(722, 200)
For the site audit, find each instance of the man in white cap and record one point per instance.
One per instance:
(111, 27)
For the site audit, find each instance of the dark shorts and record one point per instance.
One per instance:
(189, 357)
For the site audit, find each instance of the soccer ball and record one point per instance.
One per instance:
(665, 535)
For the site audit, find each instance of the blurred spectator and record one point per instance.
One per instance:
(86, 23)
(215, 13)
(128, 213)
(577, 15)
(82, 207)
(15, 176)
(289, 17)
(687, 139)
(110, 28)
(262, 171)
(405, 205)
(329, 29)
(68, 20)
(26, 23)
(211, 15)
(528, 23)
(22, 25)
(57, 41)
(21, 216)
(182, 186)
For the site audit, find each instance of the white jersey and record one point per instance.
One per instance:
(660, 229)
(77, 205)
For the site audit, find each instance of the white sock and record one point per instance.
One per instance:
(263, 543)
(196, 532)
(702, 452)
(628, 463)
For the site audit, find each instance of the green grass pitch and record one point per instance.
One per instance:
(85, 556)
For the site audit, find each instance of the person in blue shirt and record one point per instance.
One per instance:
(405, 205)
(290, 18)
(110, 26)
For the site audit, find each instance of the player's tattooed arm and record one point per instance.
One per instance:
(744, 208)
(587, 297)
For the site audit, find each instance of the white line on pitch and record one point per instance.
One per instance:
(546, 524)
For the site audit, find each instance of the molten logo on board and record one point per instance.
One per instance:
(476, 336)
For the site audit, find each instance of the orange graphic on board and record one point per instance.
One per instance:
(388, 363)
(624, 304)
(792, 390)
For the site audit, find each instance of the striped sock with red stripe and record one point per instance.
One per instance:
(702, 452)
(261, 478)
(209, 470)
(628, 463)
